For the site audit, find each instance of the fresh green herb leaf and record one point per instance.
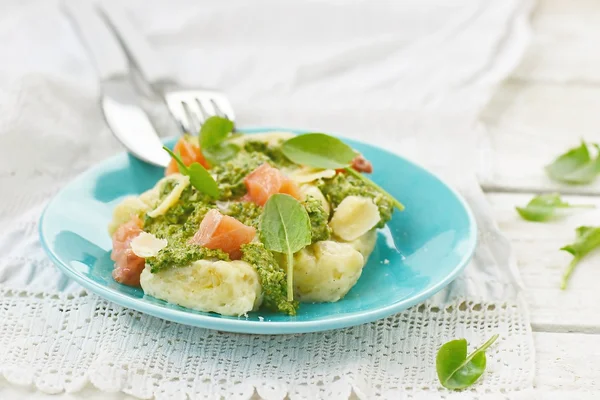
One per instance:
(199, 176)
(576, 166)
(318, 150)
(369, 182)
(285, 228)
(587, 239)
(543, 207)
(455, 369)
(213, 133)
(220, 153)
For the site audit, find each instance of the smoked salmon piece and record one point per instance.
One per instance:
(189, 153)
(218, 231)
(265, 181)
(128, 266)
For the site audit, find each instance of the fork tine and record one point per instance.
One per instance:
(192, 116)
(217, 109)
(221, 105)
(191, 108)
(204, 112)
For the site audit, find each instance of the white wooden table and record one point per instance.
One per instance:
(550, 102)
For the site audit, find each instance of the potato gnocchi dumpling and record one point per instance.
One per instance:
(132, 206)
(365, 244)
(326, 271)
(224, 287)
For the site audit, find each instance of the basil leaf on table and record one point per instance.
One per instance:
(213, 133)
(285, 228)
(455, 369)
(543, 207)
(587, 239)
(200, 178)
(318, 150)
(576, 166)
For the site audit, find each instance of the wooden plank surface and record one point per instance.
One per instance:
(550, 102)
(541, 264)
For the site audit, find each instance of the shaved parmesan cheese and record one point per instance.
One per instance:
(147, 245)
(173, 197)
(354, 217)
(307, 174)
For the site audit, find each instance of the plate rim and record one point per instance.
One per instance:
(242, 325)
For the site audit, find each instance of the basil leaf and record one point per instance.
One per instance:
(220, 153)
(214, 130)
(284, 227)
(543, 207)
(200, 178)
(318, 150)
(576, 166)
(587, 239)
(455, 369)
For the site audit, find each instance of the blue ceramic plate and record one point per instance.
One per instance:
(419, 252)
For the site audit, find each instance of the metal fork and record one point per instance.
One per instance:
(190, 107)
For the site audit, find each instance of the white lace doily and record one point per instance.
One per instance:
(361, 69)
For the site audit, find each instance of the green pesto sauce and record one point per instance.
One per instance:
(181, 254)
(248, 213)
(272, 278)
(341, 186)
(320, 230)
(182, 220)
(230, 175)
(274, 153)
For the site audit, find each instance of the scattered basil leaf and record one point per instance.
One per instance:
(587, 239)
(200, 178)
(214, 131)
(576, 166)
(369, 182)
(318, 150)
(455, 369)
(284, 227)
(543, 207)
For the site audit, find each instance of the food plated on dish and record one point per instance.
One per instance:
(247, 222)
(417, 253)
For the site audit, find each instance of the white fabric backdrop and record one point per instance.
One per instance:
(409, 75)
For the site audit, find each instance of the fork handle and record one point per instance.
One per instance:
(108, 57)
(149, 63)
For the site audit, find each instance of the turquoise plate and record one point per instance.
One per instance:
(419, 252)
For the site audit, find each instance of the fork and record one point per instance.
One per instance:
(189, 107)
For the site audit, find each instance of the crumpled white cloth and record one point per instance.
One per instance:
(408, 75)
